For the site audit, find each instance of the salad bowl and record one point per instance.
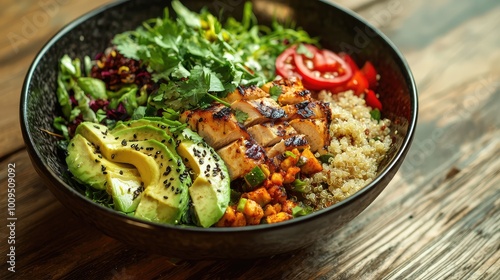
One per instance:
(338, 29)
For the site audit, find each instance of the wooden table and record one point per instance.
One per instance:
(438, 218)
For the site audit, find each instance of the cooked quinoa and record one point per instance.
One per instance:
(358, 144)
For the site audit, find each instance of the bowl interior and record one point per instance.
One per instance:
(338, 29)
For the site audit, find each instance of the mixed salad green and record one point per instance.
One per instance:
(193, 59)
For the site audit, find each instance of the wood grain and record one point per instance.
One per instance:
(438, 219)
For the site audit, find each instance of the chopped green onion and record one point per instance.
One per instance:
(290, 154)
(255, 177)
(241, 204)
(298, 211)
(299, 185)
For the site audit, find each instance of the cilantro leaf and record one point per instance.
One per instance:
(241, 116)
(275, 92)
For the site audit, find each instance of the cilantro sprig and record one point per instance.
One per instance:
(198, 59)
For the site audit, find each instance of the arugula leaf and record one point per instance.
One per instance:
(101, 115)
(66, 65)
(191, 19)
(83, 104)
(92, 86)
(139, 113)
(63, 97)
(60, 124)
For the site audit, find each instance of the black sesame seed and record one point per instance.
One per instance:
(112, 156)
(124, 142)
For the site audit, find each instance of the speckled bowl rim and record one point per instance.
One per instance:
(399, 156)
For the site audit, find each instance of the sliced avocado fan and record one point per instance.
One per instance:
(210, 191)
(165, 197)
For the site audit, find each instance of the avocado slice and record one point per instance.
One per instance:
(167, 201)
(121, 181)
(161, 123)
(149, 132)
(146, 132)
(210, 191)
(165, 197)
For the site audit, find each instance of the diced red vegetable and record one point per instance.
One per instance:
(372, 100)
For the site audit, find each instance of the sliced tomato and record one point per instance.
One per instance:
(285, 66)
(325, 60)
(358, 83)
(370, 74)
(348, 59)
(337, 74)
(372, 100)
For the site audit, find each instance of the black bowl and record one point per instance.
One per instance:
(338, 28)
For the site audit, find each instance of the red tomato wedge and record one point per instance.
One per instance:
(358, 83)
(370, 74)
(372, 100)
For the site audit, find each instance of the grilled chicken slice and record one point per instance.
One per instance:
(247, 93)
(270, 133)
(241, 156)
(297, 141)
(259, 110)
(308, 110)
(292, 91)
(217, 125)
(315, 131)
